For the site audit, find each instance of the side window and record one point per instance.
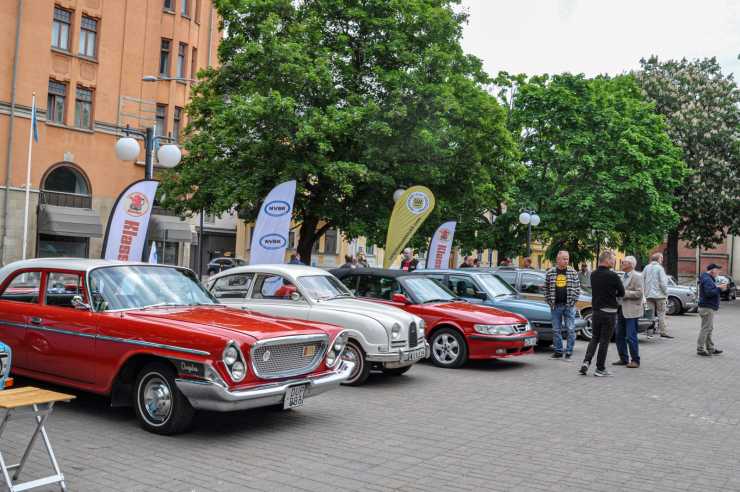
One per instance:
(377, 287)
(462, 285)
(272, 287)
(23, 288)
(61, 288)
(508, 276)
(350, 282)
(533, 284)
(232, 286)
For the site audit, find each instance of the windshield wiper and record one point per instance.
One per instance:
(163, 304)
(438, 300)
(338, 296)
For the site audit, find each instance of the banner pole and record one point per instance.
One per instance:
(28, 179)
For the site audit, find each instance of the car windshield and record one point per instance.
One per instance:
(141, 286)
(323, 287)
(495, 286)
(425, 290)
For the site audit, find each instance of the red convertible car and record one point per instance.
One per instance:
(152, 337)
(456, 330)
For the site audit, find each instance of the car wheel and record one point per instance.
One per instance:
(587, 332)
(161, 407)
(673, 306)
(397, 371)
(448, 348)
(354, 354)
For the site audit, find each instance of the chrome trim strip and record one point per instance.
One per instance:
(286, 341)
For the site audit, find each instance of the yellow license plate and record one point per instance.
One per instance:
(309, 351)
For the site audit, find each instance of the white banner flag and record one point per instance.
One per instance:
(128, 223)
(438, 257)
(270, 236)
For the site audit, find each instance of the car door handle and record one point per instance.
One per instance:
(36, 320)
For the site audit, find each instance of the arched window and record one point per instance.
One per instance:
(65, 185)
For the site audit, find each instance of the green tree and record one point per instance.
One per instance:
(600, 167)
(353, 99)
(702, 110)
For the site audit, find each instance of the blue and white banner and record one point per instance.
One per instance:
(153, 258)
(270, 236)
(438, 257)
(125, 235)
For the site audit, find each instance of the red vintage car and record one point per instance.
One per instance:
(152, 337)
(456, 330)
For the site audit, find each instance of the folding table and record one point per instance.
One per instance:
(41, 403)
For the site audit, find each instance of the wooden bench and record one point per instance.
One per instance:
(16, 403)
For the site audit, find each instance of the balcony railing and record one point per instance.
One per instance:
(62, 199)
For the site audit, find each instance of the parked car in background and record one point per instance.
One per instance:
(380, 337)
(152, 337)
(220, 264)
(681, 298)
(730, 294)
(456, 330)
(531, 284)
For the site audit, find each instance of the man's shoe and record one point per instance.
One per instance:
(633, 365)
(665, 335)
(703, 353)
(717, 351)
(602, 374)
(556, 355)
(568, 356)
(620, 363)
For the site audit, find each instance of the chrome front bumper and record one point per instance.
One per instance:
(208, 395)
(397, 358)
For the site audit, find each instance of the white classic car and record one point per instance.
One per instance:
(380, 337)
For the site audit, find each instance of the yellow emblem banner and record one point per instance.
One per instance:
(410, 211)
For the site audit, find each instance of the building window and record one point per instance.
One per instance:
(194, 64)
(88, 36)
(185, 8)
(176, 124)
(370, 249)
(330, 242)
(83, 108)
(167, 252)
(164, 58)
(168, 5)
(55, 101)
(181, 54)
(291, 240)
(60, 29)
(161, 125)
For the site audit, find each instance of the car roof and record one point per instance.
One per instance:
(81, 264)
(275, 268)
(387, 272)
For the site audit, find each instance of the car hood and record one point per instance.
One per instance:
(382, 313)
(229, 321)
(473, 313)
(536, 310)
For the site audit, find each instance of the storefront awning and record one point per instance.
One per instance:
(165, 228)
(69, 221)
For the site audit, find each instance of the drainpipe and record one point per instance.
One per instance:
(210, 34)
(9, 153)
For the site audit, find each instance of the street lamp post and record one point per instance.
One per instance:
(530, 219)
(127, 149)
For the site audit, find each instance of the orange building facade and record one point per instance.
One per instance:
(87, 61)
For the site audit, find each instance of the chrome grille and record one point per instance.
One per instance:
(413, 341)
(289, 356)
(521, 328)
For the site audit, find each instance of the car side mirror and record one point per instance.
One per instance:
(295, 296)
(78, 303)
(481, 295)
(400, 298)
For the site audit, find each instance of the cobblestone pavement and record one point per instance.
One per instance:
(527, 424)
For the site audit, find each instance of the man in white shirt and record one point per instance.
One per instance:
(656, 290)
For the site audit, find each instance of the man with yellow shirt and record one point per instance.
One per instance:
(562, 289)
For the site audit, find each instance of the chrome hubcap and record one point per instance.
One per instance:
(445, 348)
(351, 355)
(587, 329)
(157, 399)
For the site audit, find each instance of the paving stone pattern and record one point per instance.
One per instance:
(529, 424)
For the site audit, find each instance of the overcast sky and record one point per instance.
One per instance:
(599, 36)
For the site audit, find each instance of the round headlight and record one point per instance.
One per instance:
(395, 331)
(237, 371)
(230, 355)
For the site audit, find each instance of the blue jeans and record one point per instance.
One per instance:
(627, 338)
(563, 316)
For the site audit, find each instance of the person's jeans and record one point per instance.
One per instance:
(627, 339)
(563, 316)
(602, 327)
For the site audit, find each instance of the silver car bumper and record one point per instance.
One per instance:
(400, 357)
(208, 395)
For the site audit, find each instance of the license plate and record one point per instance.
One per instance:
(530, 342)
(415, 355)
(294, 397)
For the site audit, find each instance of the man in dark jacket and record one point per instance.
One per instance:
(606, 287)
(708, 304)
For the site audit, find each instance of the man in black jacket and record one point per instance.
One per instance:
(606, 287)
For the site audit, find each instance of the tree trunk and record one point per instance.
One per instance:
(308, 236)
(670, 260)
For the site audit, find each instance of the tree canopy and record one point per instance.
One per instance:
(600, 167)
(353, 99)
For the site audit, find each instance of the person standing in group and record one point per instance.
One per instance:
(295, 259)
(362, 260)
(562, 289)
(606, 287)
(628, 315)
(527, 263)
(409, 263)
(349, 262)
(468, 262)
(584, 275)
(708, 303)
(656, 290)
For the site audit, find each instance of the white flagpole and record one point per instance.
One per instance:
(28, 180)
